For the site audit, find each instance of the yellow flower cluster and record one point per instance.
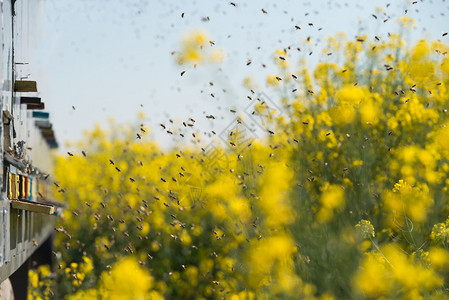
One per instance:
(39, 282)
(366, 229)
(389, 272)
(197, 48)
(127, 280)
(440, 233)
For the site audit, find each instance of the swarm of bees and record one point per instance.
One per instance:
(168, 193)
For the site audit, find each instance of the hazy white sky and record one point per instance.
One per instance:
(113, 58)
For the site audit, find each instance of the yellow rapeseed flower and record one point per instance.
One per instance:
(332, 198)
(365, 228)
(273, 80)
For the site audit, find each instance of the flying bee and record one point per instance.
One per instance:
(139, 136)
(183, 72)
(182, 15)
(75, 213)
(294, 76)
(117, 169)
(297, 27)
(70, 154)
(264, 11)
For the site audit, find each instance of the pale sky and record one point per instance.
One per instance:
(113, 58)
